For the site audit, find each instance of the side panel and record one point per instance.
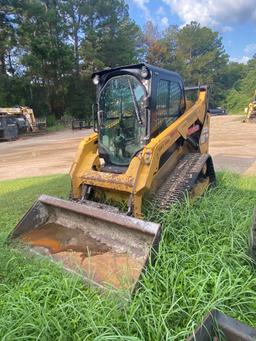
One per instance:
(205, 135)
(86, 158)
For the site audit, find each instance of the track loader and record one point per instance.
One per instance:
(146, 146)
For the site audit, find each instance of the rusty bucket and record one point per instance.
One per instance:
(108, 249)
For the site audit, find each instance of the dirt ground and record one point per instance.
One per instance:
(39, 155)
(232, 145)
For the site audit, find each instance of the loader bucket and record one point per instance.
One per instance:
(108, 249)
(219, 327)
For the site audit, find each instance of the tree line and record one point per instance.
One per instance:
(49, 48)
(242, 93)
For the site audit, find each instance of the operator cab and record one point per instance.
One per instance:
(134, 104)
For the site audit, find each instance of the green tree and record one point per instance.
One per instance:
(47, 58)
(49, 48)
(196, 52)
(203, 56)
(7, 37)
(231, 74)
(242, 91)
(111, 36)
(74, 14)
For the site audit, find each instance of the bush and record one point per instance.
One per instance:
(51, 120)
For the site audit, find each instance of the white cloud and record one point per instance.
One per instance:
(164, 22)
(227, 29)
(243, 60)
(159, 15)
(214, 13)
(250, 49)
(160, 11)
(142, 4)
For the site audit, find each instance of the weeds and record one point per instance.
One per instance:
(202, 264)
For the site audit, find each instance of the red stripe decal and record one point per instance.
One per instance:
(193, 129)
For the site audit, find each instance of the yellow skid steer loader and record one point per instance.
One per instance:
(146, 145)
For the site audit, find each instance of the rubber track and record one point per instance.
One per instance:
(182, 179)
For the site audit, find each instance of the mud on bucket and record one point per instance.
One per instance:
(108, 249)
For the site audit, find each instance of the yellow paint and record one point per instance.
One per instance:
(251, 109)
(143, 169)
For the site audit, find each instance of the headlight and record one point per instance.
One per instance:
(96, 79)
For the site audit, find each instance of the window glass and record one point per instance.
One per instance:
(191, 97)
(121, 134)
(168, 103)
(11, 120)
(162, 103)
(175, 99)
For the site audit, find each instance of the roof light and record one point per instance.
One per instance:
(96, 79)
(144, 72)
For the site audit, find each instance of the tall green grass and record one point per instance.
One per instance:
(202, 264)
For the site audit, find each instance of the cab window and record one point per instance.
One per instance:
(168, 103)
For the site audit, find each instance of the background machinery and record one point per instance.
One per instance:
(8, 128)
(250, 111)
(147, 146)
(24, 118)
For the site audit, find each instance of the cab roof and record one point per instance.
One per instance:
(152, 68)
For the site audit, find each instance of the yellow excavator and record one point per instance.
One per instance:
(250, 111)
(147, 146)
(24, 117)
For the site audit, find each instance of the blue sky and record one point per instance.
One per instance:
(235, 20)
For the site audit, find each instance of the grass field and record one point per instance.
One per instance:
(203, 264)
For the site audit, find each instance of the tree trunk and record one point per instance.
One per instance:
(76, 53)
(2, 64)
